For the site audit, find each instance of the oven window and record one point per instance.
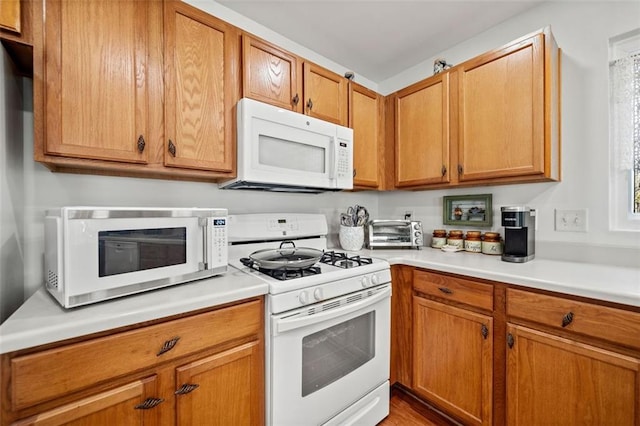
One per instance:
(336, 351)
(134, 250)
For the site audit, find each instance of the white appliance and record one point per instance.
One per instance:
(327, 325)
(281, 150)
(99, 253)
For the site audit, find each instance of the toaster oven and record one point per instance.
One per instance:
(394, 234)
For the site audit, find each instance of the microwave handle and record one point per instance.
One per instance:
(332, 159)
(204, 224)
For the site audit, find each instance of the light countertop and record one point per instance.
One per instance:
(609, 283)
(42, 320)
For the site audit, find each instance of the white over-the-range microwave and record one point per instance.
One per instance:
(98, 253)
(282, 150)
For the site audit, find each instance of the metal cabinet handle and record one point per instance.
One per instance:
(354, 172)
(296, 99)
(149, 403)
(510, 340)
(460, 169)
(141, 144)
(172, 148)
(444, 170)
(168, 345)
(445, 290)
(484, 331)
(309, 104)
(567, 319)
(186, 388)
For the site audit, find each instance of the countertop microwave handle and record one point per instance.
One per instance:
(332, 159)
(281, 325)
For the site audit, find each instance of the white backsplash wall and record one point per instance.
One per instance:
(11, 188)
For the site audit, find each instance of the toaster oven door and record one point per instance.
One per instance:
(389, 233)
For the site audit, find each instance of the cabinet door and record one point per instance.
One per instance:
(270, 74)
(501, 112)
(200, 57)
(365, 118)
(10, 15)
(222, 389)
(96, 61)
(452, 360)
(556, 381)
(131, 404)
(422, 133)
(325, 94)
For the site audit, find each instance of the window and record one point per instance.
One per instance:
(624, 84)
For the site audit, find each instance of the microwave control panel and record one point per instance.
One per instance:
(343, 160)
(218, 241)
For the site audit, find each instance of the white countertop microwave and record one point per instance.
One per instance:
(282, 150)
(98, 253)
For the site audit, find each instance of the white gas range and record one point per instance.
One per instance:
(327, 325)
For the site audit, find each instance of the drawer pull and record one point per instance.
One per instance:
(168, 345)
(567, 319)
(484, 331)
(186, 388)
(149, 403)
(141, 144)
(296, 99)
(510, 340)
(445, 290)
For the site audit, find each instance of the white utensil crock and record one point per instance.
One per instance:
(351, 237)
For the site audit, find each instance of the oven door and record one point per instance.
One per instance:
(326, 357)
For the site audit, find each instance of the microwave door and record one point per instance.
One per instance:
(286, 154)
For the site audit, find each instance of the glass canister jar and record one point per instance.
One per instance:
(455, 239)
(439, 238)
(491, 244)
(473, 242)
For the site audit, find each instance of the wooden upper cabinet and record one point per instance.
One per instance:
(277, 77)
(366, 112)
(95, 69)
(557, 381)
(270, 74)
(508, 105)
(10, 15)
(422, 132)
(325, 94)
(199, 59)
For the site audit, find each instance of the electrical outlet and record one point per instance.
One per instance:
(571, 220)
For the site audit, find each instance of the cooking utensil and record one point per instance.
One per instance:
(286, 257)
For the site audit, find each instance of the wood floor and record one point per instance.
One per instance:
(405, 410)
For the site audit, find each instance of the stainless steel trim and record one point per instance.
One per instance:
(517, 259)
(97, 296)
(109, 213)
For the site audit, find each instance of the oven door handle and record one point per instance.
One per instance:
(281, 325)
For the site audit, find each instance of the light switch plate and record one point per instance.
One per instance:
(571, 220)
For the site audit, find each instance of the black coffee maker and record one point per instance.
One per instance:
(519, 233)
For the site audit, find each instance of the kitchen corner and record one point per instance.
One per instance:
(40, 320)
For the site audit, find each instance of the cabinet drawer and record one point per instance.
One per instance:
(602, 322)
(455, 289)
(51, 373)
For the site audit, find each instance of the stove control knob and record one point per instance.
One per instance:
(365, 281)
(374, 279)
(317, 294)
(303, 297)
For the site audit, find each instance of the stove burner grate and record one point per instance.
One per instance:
(343, 260)
(283, 273)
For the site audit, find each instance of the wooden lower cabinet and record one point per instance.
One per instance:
(112, 407)
(452, 359)
(194, 370)
(222, 389)
(557, 381)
